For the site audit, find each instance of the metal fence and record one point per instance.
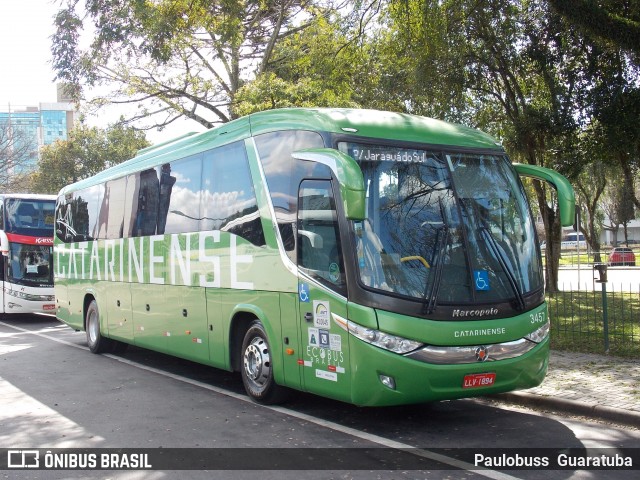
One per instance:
(605, 319)
(588, 257)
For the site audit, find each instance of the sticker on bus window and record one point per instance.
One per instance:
(481, 278)
(334, 272)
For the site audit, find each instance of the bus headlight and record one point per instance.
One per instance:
(31, 297)
(540, 334)
(380, 339)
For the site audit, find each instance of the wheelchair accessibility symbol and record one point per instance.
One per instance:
(481, 278)
(303, 292)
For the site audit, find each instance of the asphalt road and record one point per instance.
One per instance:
(55, 394)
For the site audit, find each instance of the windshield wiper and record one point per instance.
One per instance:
(431, 297)
(495, 248)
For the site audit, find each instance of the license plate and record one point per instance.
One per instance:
(49, 307)
(476, 380)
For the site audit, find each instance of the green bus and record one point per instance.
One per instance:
(370, 257)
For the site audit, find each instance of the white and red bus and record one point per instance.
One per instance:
(26, 243)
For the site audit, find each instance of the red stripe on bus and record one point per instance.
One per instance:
(29, 240)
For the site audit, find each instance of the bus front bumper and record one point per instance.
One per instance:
(392, 379)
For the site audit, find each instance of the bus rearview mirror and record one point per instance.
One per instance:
(348, 174)
(566, 195)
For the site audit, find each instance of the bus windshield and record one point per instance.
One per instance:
(446, 228)
(30, 265)
(32, 217)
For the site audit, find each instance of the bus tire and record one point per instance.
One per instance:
(257, 368)
(96, 342)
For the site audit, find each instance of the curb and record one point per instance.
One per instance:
(602, 412)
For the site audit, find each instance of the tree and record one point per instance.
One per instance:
(610, 208)
(624, 207)
(17, 150)
(615, 21)
(175, 58)
(611, 31)
(617, 203)
(423, 64)
(88, 151)
(590, 186)
(616, 106)
(314, 67)
(505, 66)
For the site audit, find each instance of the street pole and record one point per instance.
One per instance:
(602, 270)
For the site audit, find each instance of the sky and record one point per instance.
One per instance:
(25, 57)
(26, 74)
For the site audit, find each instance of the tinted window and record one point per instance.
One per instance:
(29, 216)
(112, 208)
(77, 215)
(229, 201)
(319, 252)
(165, 199)
(131, 205)
(146, 212)
(62, 224)
(283, 175)
(210, 191)
(179, 196)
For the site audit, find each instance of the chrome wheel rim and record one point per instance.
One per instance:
(92, 326)
(257, 363)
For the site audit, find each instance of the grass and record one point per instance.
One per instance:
(577, 322)
(570, 258)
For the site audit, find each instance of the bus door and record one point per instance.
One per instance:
(321, 292)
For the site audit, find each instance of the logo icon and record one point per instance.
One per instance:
(303, 292)
(482, 353)
(324, 338)
(23, 459)
(321, 314)
(481, 280)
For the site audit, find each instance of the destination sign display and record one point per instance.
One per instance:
(386, 153)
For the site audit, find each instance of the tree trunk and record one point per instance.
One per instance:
(552, 230)
(627, 171)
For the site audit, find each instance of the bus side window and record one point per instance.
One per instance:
(229, 201)
(76, 215)
(62, 219)
(148, 199)
(319, 252)
(283, 176)
(112, 207)
(180, 195)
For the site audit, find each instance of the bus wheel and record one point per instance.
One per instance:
(257, 371)
(97, 343)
